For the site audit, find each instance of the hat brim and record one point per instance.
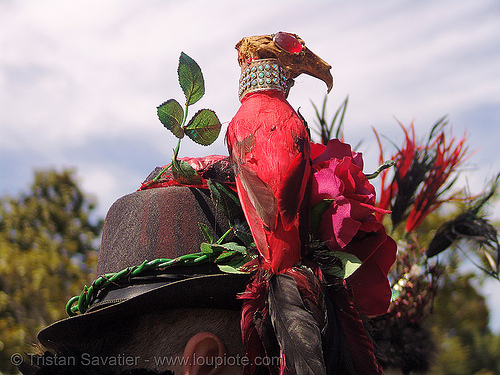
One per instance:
(218, 291)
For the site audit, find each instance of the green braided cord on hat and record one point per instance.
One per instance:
(229, 257)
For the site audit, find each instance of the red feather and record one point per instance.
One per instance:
(293, 191)
(269, 146)
(254, 297)
(358, 341)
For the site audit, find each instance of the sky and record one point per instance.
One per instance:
(80, 80)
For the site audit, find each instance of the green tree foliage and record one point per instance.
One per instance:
(48, 243)
(460, 327)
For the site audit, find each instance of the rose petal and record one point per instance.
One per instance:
(334, 149)
(361, 211)
(371, 289)
(325, 184)
(316, 150)
(337, 227)
(378, 246)
(370, 225)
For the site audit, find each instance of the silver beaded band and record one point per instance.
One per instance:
(260, 75)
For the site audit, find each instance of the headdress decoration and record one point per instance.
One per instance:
(278, 172)
(305, 310)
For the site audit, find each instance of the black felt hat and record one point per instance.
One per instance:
(146, 225)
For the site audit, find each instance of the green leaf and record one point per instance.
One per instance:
(350, 263)
(226, 200)
(171, 115)
(233, 246)
(190, 79)
(206, 232)
(229, 247)
(234, 258)
(317, 212)
(184, 173)
(206, 248)
(204, 127)
(231, 269)
(232, 262)
(225, 256)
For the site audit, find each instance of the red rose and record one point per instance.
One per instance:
(341, 178)
(349, 223)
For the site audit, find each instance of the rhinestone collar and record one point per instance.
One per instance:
(260, 75)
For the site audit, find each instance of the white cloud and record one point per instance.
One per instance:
(111, 185)
(75, 71)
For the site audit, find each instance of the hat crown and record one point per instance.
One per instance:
(156, 223)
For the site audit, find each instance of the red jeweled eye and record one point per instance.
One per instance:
(287, 42)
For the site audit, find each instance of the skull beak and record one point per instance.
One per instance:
(294, 63)
(315, 66)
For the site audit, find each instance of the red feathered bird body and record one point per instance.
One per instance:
(285, 312)
(269, 146)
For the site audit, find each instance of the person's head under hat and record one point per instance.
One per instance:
(185, 320)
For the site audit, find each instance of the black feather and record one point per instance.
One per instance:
(470, 225)
(336, 353)
(298, 333)
(266, 333)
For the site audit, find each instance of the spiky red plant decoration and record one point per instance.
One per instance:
(421, 175)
